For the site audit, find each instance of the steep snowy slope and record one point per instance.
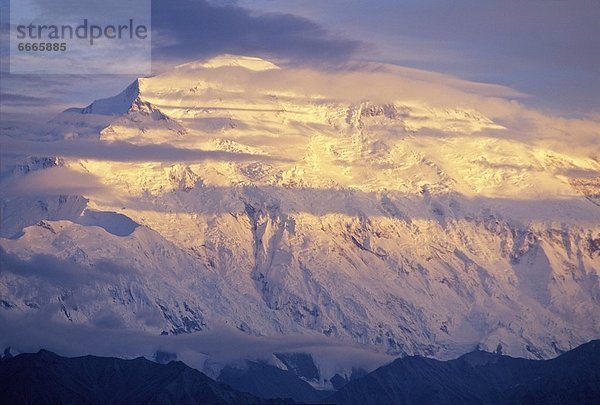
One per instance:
(409, 216)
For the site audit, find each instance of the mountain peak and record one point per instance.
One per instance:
(228, 60)
(116, 105)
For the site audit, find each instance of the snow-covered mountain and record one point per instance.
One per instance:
(405, 213)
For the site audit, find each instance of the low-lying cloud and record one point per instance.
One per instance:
(207, 351)
(119, 151)
(53, 181)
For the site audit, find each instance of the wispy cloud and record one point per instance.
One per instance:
(58, 272)
(53, 181)
(207, 351)
(23, 100)
(119, 151)
(550, 49)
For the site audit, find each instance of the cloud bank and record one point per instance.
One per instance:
(190, 29)
(118, 151)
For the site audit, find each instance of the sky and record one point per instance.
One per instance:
(547, 49)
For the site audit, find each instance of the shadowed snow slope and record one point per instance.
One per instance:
(111, 222)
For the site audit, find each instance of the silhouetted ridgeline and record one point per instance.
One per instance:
(475, 378)
(481, 378)
(45, 377)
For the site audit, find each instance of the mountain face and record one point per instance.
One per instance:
(45, 377)
(481, 378)
(369, 208)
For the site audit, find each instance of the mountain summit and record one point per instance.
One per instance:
(228, 60)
